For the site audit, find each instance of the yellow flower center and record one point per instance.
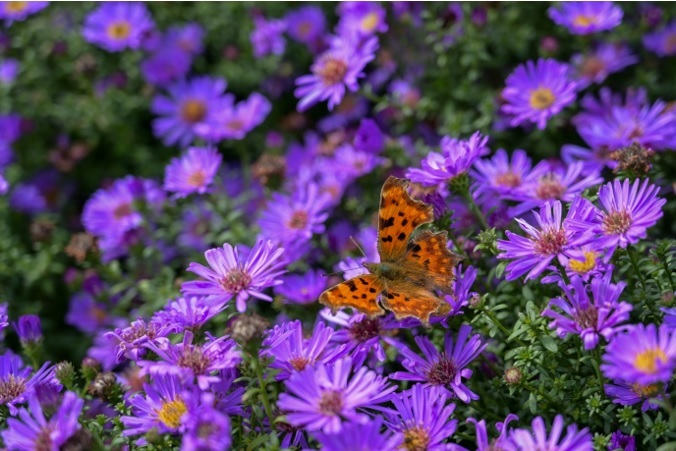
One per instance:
(171, 413)
(304, 28)
(582, 20)
(369, 22)
(15, 7)
(197, 178)
(193, 111)
(648, 360)
(646, 391)
(331, 70)
(541, 98)
(416, 439)
(584, 266)
(119, 30)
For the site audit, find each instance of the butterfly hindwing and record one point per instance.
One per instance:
(428, 253)
(360, 293)
(408, 300)
(398, 217)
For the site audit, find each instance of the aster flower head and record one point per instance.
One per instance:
(629, 210)
(627, 394)
(4, 318)
(292, 352)
(296, 217)
(335, 71)
(206, 429)
(88, 314)
(536, 91)
(189, 313)
(456, 157)
(669, 317)
(362, 18)
(192, 362)
(501, 174)
(364, 338)
(29, 329)
(187, 104)
(228, 395)
(234, 120)
(131, 341)
(231, 274)
(357, 436)
(589, 316)
(618, 440)
(662, 42)
(445, 369)
(645, 355)
(32, 431)
(325, 396)
(306, 24)
(267, 37)
(164, 406)
(9, 68)
(193, 172)
(606, 59)
(302, 288)
(482, 442)
(186, 37)
(16, 382)
(369, 138)
(12, 11)
(538, 438)
(166, 65)
(422, 417)
(552, 239)
(586, 17)
(587, 262)
(115, 26)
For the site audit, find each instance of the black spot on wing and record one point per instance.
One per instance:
(372, 290)
(385, 223)
(351, 285)
(386, 239)
(402, 236)
(404, 222)
(363, 281)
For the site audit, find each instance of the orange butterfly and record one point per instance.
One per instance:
(411, 270)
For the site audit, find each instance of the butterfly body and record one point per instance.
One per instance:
(413, 268)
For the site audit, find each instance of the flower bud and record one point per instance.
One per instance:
(29, 330)
(513, 375)
(65, 373)
(90, 368)
(244, 328)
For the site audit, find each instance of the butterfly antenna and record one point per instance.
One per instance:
(358, 246)
(340, 272)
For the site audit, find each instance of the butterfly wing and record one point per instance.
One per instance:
(428, 255)
(360, 293)
(399, 215)
(406, 299)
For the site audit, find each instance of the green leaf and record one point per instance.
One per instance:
(549, 343)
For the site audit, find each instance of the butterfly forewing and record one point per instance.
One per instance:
(428, 253)
(398, 217)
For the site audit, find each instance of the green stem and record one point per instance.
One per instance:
(528, 386)
(634, 264)
(563, 273)
(596, 359)
(667, 271)
(474, 208)
(494, 319)
(263, 388)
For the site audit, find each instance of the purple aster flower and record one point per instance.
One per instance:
(422, 417)
(164, 407)
(197, 221)
(355, 163)
(228, 396)
(187, 37)
(103, 351)
(368, 137)
(537, 437)
(461, 291)
(482, 441)
(190, 313)
(206, 429)
(302, 288)
(27, 198)
(629, 210)
(294, 218)
(189, 361)
(645, 355)
(115, 26)
(363, 18)
(445, 369)
(334, 71)
(357, 436)
(537, 91)
(18, 11)
(611, 125)
(586, 262)
(32, 431)
(234, 120)
(306, 25)
(231, 275)
(606, 59)
(662, 42)
(499, 175)
(323, 397)
(16, 383)
(669, 317)
(586, 17)
(622, 442)
(193, 172)
(588, 317)
(187, 104)
(553, 239)
(131, 340)
(457, 157)
(4, 186)
(9, 68)
(292, 352)
(29, 329)
(166, 66)
(629, 394)
(267, 37)
(88, 314)
(4, 318)
(593, 160)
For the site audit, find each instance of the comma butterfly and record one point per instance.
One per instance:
(412, 269)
